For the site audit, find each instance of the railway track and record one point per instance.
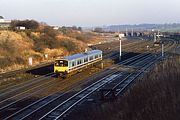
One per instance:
(125, 47)
(120, 86)
(50, 98)
(113, 53)
(29, 82)
(20, 71)
(22, 85)
(15, 72)
(60, 110)
(41, 103)
(10, 98)
(16, 94)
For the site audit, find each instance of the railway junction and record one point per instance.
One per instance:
(45, 96)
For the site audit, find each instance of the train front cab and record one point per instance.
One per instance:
(61, 68)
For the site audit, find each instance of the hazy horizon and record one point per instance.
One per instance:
(93, 13)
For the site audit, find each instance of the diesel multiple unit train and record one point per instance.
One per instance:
(69, 65)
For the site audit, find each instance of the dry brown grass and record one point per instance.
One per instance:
(17, 47)
(11, 41)
(55, 52)
(14, 49)
(72, 45)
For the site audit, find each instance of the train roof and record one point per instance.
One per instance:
(81, 55)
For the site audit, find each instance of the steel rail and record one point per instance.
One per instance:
(58, 112)
(41, 100)
(131, 75)
(6, 100)
(17, 86)
(66, 103)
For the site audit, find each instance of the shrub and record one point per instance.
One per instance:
(84, 37)
(44, 41)
(69, 45)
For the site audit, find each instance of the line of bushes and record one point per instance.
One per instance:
(47, 39)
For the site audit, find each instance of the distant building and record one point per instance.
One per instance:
(20, 28)
(4, 23)
(56, 27)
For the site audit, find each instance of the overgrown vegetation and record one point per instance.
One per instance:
(69, 45)
(36, 40)
(84, 37)
(154, 97)
(76, 33)
(48, 39)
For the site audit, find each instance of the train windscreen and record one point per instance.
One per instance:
(61, 63)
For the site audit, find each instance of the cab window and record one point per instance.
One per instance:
(61, 63)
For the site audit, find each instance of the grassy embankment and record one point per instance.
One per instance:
(17, 46)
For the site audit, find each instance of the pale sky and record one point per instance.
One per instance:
(92, 12)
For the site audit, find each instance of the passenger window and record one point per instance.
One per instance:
(91, 58)
(79, 62)
(85, 59)
(73, 63)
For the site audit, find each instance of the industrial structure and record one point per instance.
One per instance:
(4, 23)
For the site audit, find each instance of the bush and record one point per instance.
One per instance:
(44, 41)
(83, 37)
(50, 31)
(69, 45)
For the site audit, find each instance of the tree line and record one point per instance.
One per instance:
(28, 24)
